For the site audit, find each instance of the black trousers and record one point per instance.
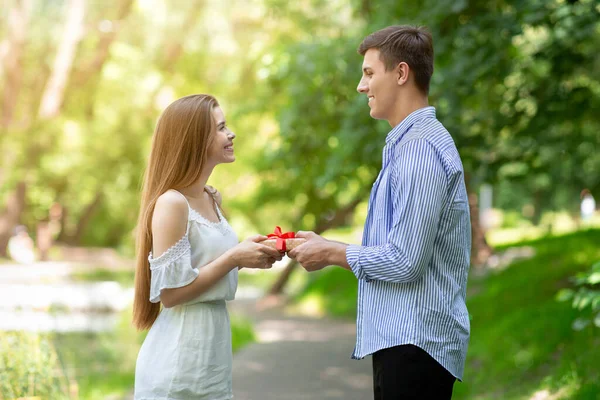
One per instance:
(407, 372)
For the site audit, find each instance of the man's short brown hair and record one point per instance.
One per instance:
(404, 43)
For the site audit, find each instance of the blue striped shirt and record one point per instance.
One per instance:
(414, 260)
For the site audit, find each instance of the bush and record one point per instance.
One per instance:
(513, 219)
(586, 299)
(29, 366)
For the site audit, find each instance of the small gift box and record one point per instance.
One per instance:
(283, 241)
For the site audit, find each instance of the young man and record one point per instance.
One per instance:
(413, 263)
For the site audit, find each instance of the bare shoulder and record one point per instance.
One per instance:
(215, 193)
(171, 203)
(169, 220)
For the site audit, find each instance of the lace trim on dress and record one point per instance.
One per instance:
(173, 253)
(222, 226)
(196, 216)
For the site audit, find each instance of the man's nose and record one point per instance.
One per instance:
(362, 87)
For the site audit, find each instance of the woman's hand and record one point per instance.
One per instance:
(252, 254)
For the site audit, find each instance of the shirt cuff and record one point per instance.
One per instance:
(352, 256)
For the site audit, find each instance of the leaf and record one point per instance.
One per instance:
(565, 295)
(596, 303)
(582, 301)
(580, 324)
(594, 278)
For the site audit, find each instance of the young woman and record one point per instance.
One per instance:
(187, 259)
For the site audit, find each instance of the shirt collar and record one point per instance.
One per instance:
(399, 130)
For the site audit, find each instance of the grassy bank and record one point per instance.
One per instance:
(91, 366)
(104, 364)
(123, 276)
(522, 343)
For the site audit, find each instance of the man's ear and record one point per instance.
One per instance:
(402, 71)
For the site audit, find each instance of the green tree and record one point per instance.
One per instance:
(515, 83)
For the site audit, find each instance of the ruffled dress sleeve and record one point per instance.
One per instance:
(172, 269)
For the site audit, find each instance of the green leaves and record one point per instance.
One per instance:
(586, 298)
(515, 83)
(503, 86)
(29, 366)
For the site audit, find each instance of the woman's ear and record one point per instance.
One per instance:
(402, 73)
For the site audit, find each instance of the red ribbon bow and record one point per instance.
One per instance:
(280, 244)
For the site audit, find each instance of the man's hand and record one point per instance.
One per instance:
(317, 252)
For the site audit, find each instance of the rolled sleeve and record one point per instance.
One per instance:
(353, 258)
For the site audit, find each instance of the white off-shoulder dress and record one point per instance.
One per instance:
(187, 352)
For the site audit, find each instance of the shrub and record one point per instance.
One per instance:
(29, 367)
(586, 298)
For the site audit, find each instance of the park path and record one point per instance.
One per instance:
(298, 358)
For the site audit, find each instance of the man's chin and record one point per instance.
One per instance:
(375, 115)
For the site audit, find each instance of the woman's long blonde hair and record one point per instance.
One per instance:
(179, 146)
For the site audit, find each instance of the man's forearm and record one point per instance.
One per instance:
(336, 254)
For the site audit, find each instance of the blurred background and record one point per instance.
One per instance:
(82, 82)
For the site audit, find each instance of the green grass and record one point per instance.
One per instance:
(29, 366)
(103, 364)
(522, 342)
(122, 276)
(242, 332)
(331, 291)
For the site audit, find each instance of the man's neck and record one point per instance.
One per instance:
(407, 107)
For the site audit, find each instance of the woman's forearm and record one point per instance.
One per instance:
(208, 276)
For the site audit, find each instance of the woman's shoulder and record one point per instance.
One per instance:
(170, 212)
(172, 201)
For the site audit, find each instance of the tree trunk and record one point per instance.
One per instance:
(480, 249)
(11, 216)
(85, 219)
(538, 205)
(12, 54)
(101, 53)
(338, 219)
(52, 98)
(366, 9)
(174, 46)
(63, 235)
(44, 240)
(172, 53)
(90, 72)
(283, 278)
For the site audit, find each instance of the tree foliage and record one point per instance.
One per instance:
(516, 83)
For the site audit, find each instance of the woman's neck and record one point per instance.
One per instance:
(196, 190)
